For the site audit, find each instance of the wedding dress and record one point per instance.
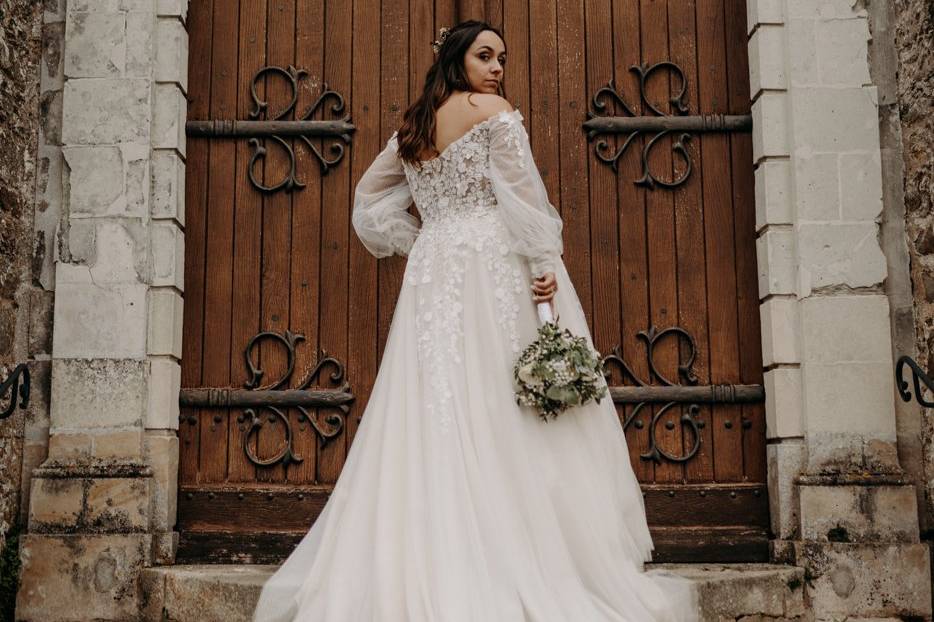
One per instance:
(455, 504)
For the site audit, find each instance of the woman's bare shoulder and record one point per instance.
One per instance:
(486, 105)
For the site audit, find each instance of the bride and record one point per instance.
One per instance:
(455, 504)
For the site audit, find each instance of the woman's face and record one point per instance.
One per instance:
(484, 62)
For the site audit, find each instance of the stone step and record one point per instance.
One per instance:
(228, 593)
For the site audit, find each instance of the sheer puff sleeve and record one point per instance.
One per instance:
(533, 222)
(381, 200)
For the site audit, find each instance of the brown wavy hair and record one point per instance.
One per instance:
(445, 75)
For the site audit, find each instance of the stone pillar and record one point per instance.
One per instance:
(841, 506)
(102, 506)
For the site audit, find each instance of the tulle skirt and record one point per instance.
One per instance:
(455, 504)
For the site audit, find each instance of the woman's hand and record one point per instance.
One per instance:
(544, 288)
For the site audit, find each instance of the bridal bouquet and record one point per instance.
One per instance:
(558, 370)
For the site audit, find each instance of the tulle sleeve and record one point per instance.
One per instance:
(381, 200)
(533, 222)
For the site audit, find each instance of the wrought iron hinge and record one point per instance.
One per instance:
(278, 127)
(600, 123)
(918, 377)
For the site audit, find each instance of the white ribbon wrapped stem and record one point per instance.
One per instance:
(544, 312)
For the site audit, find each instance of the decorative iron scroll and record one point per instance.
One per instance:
(273, 398)
(18, 385)
(600, 123)
(670, 393)
(277, 127)
(917, 377)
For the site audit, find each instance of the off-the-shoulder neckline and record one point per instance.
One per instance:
(476, 126)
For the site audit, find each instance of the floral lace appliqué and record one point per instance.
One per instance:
(460, 229)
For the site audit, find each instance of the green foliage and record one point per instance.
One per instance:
(9, 574)
(558, 370)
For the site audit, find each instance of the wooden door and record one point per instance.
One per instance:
(286, 314)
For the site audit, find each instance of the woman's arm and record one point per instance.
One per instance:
(381, 200)
(533, 222)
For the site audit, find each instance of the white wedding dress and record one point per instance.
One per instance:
(455, 504)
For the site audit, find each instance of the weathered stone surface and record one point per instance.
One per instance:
(779, 321)
(98, 393)
(117, 504)
(786, 460)
(769, 113)
(162, 456)
(775, 254)
(168, 186)
(96, 45)
(165, 323)
(783, 402)
(56, 504)
(834, 254)
(773, 194)
(866, 580)
(104, 110)
(172, 52)
(859, 513)
(75, 578)
(228, 593)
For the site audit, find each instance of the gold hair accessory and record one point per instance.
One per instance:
(436, 45)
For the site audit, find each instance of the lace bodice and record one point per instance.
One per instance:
(487, 173)
(455, 183)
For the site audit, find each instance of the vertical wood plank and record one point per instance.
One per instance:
(277, 234)
(574, 195)
(747, 287)
(394, 85)
(248, 225)
(718, 226)
(689, 233)
(362, 356)
(516, 35)
(633, 251)
(335, 224)
(305, 275)
(200, 17)
(219, 248)
(604, 215)
(660, 231)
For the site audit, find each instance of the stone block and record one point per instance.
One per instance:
(838, 329)
(842, 51)
(162, 457)
(825, 9)
(773, 193)
(104, 110)
(168, 186)
(779, 319)
(802, 53)
(117, 443)
(763, 12)
(117, 504)
(168, 253)
(164, 548)
(855, 513)
(850, 399)
(75, 578)
(165, 323)
(107, 181)
(171, 52)
(98, 393)
(861, 195)
(164, 386)
(170, 112)
(746, 592)
(783, 403)
(837, 254)
(777, 264)
(99, 322)
(95, 45)
(786, 460)
(70, 446)
(770, 126)
(172, 8)
(55, 504)
(829, 119)
(767, 59)
(817, 186)
(850, 581)
(41, 309)
(140, 26)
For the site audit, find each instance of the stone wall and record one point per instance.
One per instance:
(24, 304)
(914, 41)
